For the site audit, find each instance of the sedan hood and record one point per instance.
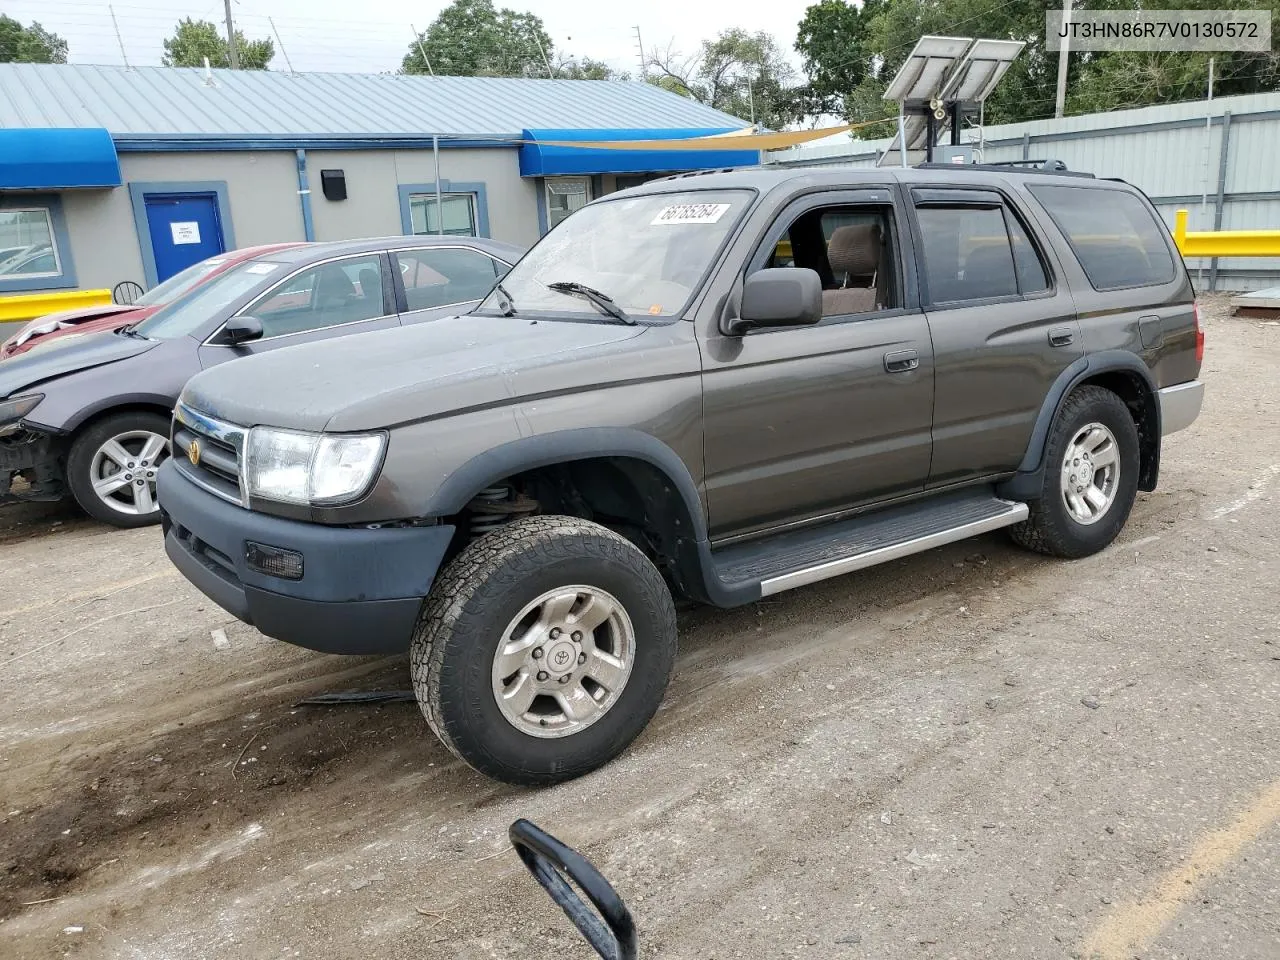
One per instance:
(378, 380)
(65, 356)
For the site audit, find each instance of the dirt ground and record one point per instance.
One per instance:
(974, 752)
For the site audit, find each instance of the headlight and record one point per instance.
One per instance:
(311, 468)
(11, 411)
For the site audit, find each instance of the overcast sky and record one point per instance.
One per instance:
(369, 36)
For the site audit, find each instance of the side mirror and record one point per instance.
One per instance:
(608, 927)
(778, 297)
(241, 330)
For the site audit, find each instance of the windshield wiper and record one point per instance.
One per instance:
(601, 300)
(507, 305)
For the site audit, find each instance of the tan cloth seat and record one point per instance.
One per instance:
(854, 255)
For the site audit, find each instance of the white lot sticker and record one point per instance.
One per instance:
(690, 213)
(187, 231)
(260, 268)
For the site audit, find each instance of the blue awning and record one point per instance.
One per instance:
(541, 159)
(49, 159)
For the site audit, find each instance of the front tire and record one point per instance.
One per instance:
(1090, 478)
(112, 465)
(544, 649)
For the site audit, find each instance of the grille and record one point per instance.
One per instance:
(218, 467)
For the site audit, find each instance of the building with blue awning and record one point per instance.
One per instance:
(110, 174)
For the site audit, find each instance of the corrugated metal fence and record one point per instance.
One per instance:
(1225, 171)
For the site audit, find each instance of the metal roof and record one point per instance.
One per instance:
(144, 102)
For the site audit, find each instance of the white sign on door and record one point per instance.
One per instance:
(186, 232)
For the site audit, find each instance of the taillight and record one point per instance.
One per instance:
(1195, 310)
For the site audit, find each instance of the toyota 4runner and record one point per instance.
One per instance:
(716, 387)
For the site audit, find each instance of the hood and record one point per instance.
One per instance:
(67, 355)
(377, 380)
(70, 323)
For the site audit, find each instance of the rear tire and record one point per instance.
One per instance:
(544, 649)
(1090, 478)
(112, 465)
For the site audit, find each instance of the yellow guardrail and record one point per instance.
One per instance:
(28, 306)
(1224, 243)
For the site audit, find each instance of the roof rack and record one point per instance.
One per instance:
(1056, 167)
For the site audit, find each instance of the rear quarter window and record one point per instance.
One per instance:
(1117, 240)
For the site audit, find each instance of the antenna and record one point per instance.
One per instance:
(123, 56)
(417, 38)
(550, 72)
(644, 64)
(280, 44)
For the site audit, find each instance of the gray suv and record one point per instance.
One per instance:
(715, 386)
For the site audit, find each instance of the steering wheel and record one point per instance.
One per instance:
(609, 928)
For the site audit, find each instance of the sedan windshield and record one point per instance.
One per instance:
(647, 254)
(179, 283)
(187, 314)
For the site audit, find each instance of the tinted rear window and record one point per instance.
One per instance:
(1114, 236)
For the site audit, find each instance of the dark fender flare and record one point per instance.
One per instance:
(1027, 483)
(543, 450)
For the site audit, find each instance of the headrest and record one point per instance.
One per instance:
(855, 250)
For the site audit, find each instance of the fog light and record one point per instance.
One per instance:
(273, 561)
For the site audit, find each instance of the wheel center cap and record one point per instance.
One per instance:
(1086, 473)
(561, 657)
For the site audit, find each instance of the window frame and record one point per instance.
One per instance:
(959, 196)
(902, 248)
(473, 204)
(546, 196)
(476, 187)
(401, 298)
(1162, 231)
(51, 206)
(384, 266)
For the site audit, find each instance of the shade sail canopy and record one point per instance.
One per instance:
(56, 159)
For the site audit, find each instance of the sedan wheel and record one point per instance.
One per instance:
(123, 471)
(113, 465)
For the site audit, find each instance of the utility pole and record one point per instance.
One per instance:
(644, 64)
(232, 52)
(1064, 52)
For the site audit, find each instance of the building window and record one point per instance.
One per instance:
(28, 245)
(565, 195)
(459, 214)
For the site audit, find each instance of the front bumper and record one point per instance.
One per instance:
(361, 589)
(38, 458)
(1180, 405)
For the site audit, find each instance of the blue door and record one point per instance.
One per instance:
(184, 228)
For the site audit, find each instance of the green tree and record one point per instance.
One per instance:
(586, 68)
(33, 44)
(193, 40)
(741, 73)
(471, 38)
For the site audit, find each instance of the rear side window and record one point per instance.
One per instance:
(1112, 233)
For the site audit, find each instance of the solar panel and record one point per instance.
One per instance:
(921, 75)
(976, 76)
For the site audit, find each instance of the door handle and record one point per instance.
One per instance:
(1061, 337)
(901, 361)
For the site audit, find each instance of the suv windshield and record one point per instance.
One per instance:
(647, 253)
(185, 315)
(179, 283)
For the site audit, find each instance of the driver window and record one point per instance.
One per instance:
(851, 249)
(341, 291)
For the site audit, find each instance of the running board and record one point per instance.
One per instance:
(806, 556)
